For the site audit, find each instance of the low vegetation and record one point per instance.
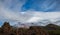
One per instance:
(49, 29)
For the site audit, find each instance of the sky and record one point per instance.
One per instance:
(29, 11)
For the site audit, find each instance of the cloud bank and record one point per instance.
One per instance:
(11, 10)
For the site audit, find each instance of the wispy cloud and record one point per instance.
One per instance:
(11, 11)
(30, 16)
(42, 5)
(37, 16)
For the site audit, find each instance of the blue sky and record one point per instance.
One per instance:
(27, 11)
(42, 5)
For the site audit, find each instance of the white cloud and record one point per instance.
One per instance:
(37, 16)
(29, 16)
(33, 19)
(8, 14)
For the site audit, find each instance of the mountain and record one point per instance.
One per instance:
(52, 27)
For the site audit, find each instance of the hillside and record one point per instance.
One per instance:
(50, 29)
